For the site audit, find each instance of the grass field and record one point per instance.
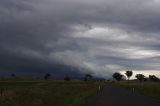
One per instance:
(45, 93)
(151, 89)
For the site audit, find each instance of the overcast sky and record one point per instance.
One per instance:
(79, 36)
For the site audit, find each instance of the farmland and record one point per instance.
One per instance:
(45, 92)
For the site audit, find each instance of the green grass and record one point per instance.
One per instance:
(45, 93)
(151, 89)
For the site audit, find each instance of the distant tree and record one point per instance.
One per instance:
(124, 77)
(47, 76)
(117, 76)
(67, 78)
(153, 78)
(129, 74)
(140, 77)
(88, 77)
(13, 75)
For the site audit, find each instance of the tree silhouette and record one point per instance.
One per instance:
(129, 74)
(140, 77)
(88, 77)
(153, 78)
(67, 78)
(47, 76)
(117, 76)
(123, 77)
(13, 75)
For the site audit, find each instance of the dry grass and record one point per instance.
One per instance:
(151, 89)
(45, 93)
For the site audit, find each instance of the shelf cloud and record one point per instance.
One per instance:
(86, 36)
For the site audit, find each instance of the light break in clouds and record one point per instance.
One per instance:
(77, 37)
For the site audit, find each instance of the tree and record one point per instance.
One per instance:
(123, 77)
(88, 77)
(140, 77)
(67, 78)
(117, 76)
(153, 78)
(47, 76)
(12, 75)
(129, 74)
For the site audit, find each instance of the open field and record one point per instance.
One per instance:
(151, 89)
(45, 93)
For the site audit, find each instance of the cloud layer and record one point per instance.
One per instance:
(86, 36)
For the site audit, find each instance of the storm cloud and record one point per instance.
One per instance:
(86, 36)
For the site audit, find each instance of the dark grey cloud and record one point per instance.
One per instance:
(98, 37)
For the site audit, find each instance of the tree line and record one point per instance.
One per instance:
(87, 77)
(118, 76)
